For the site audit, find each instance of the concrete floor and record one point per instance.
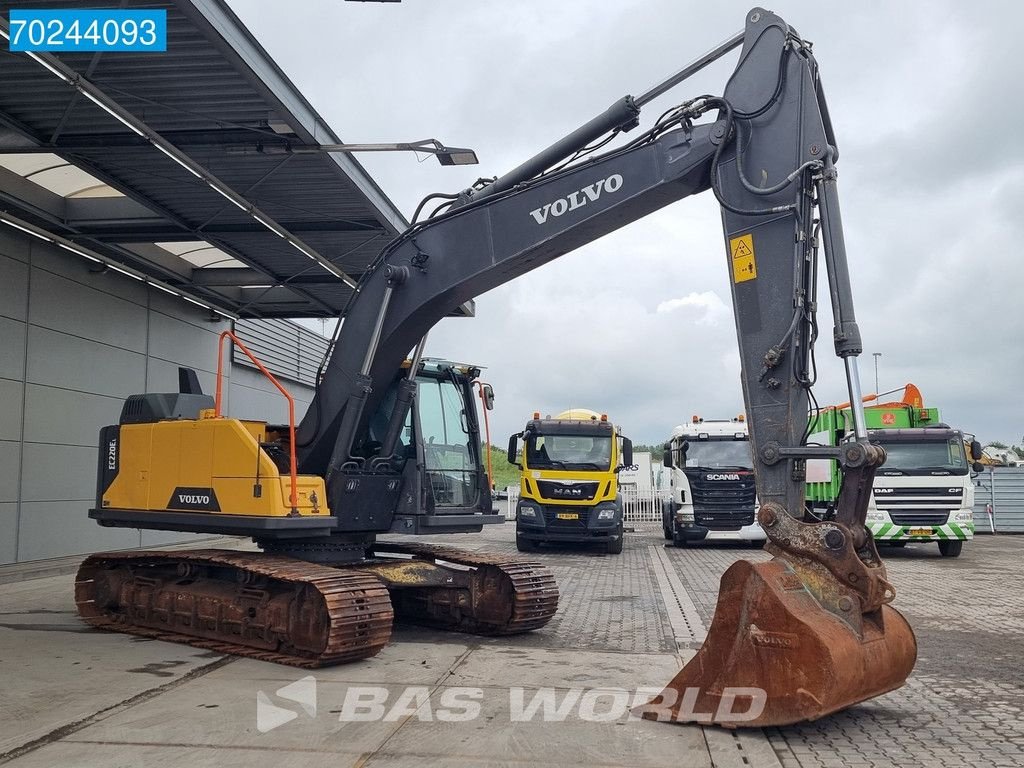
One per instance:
(77, 696)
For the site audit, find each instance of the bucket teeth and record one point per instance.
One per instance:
(775, 656)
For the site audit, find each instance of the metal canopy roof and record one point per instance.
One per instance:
(214, 106)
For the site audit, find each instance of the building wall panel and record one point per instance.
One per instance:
(91, 339)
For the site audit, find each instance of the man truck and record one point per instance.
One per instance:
(568, 480)
(711, 481)
(923, 492)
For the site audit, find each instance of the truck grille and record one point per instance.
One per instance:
(553, 521)
(726, 504)
(919, 518)
(918, 500)
(723, 520)
(556, 491)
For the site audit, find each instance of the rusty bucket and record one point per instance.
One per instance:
(775, 656)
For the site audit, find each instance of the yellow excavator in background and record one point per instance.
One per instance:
(391, 445)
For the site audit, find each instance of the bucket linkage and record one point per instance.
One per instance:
(803, 635)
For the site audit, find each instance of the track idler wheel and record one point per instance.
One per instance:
(775, 656)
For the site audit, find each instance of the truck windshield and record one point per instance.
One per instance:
(925, 456)
(719, 453)
(569, 452)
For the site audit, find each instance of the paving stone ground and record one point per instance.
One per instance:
(964, 703)
(76, 696)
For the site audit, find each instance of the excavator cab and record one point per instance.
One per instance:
(442, 438)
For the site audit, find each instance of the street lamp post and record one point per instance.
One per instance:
(876, 355)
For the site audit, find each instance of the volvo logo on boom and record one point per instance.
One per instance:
(578, 199)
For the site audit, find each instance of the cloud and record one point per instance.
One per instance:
(714, 309)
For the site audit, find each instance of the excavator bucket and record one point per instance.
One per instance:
(775, 656)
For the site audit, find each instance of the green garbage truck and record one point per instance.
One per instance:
(923, 493)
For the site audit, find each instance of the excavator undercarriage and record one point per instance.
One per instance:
(307, 614)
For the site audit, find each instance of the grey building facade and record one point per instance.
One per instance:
(144, 202)
(74, 342)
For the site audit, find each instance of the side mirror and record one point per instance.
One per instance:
(488, 397)
(977, 466)
(627, 452)
(513, 449)
(976, 450)
(684, 448)
(666, 457)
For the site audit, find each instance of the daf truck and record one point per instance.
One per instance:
(568, 480)
(711, 484)
(923, 493)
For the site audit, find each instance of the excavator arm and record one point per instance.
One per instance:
(769, 159)
(812, 628)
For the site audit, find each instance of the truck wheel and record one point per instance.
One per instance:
(667, 532)
(525, 545)
(615, 547)
(951, 548)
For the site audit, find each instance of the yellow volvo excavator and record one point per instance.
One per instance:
(392, 445)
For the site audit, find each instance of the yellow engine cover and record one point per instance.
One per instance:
(212, 465)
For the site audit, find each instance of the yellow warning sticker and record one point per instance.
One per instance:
(744, 267)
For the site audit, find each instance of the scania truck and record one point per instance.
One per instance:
(711, 478)
(568, 480)
(923, 492)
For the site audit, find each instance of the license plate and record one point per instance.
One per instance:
(920, 532)
(568, 516)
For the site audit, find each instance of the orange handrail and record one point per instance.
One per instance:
(282, 390)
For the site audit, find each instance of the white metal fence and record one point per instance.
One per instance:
(511, 497)
(999, 499)
(639, 505)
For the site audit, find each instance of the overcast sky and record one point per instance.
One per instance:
(926, 101)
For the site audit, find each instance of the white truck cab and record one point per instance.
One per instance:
(711, 480)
